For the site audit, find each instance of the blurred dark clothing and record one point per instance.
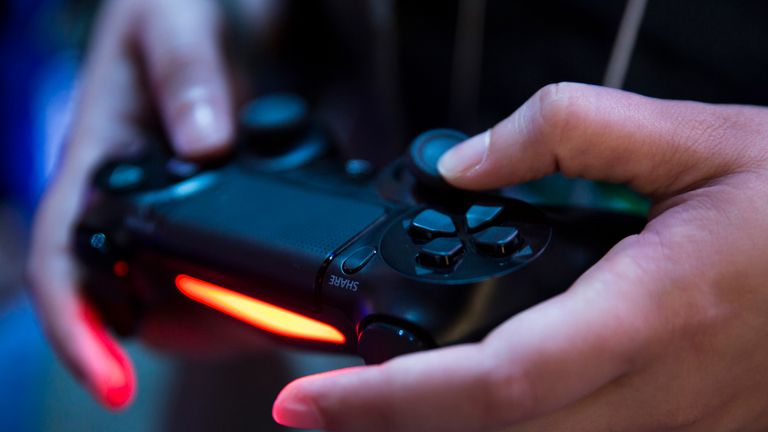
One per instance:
(706, 50)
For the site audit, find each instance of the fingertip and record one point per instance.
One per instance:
(109, 372)
(465, 159)
(291, 409)
(117, 394)
(112, 382)
(120, 388)
(201, 127)
(298, 404)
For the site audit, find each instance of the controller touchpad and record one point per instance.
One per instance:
(276, 214)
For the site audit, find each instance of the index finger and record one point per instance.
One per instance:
(108, 102)
(180, 41)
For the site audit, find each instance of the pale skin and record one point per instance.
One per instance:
(666, 333)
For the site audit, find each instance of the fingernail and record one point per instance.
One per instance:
(200, 127)
(465, 157)
(293, 412)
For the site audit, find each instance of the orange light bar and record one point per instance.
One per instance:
(257, 313)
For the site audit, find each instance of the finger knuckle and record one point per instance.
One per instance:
(711, 127)
(36, 267)
(181, 51)
(681, 418)
(714, 130)
(509, 391)
(32, 275)
(551, 104)
(560, 109)
(176, 67)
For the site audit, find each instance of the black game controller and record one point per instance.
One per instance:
(324, 254)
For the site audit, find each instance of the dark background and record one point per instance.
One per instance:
(706, 50)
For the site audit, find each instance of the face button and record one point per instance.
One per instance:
(498, 241)
(379, 342)
(441, 252)
(430, 224)
(358, 260)
(479, 215)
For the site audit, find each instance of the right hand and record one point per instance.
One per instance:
(146, 57)
(665, 333)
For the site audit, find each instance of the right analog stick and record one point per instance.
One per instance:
(425, 151)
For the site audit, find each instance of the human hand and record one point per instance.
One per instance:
(146, 56)
(667, 332)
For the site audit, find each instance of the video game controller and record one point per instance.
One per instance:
(288, 238)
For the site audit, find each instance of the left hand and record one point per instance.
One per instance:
(669, 331)
(146, 57)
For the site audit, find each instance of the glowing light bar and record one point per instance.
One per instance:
(257, 313)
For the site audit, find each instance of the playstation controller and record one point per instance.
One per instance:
(289, 239)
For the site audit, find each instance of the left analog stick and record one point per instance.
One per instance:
(272, 124)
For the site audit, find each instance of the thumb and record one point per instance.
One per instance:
(658, 147)
(180, 40)
(541, 360)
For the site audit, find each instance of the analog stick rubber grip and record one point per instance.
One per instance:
(426, 149)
